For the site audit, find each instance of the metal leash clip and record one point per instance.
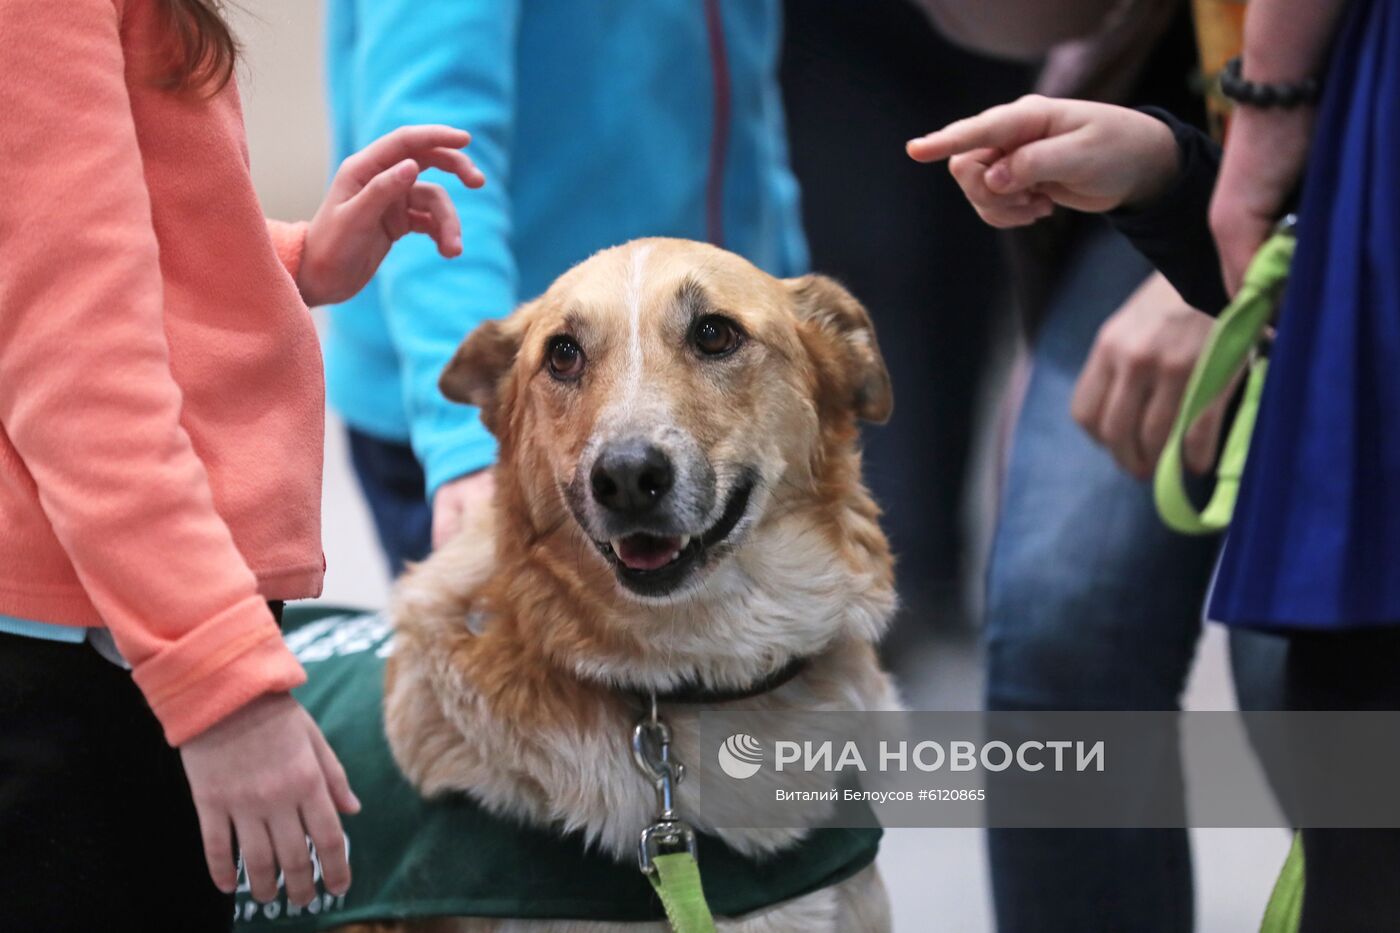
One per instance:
(651, 750)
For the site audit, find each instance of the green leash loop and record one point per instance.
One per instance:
(1232, 342)
(676, 878)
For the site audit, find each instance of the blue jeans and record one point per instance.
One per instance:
(1091, 604)
(395, 489)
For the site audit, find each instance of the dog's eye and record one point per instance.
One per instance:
(564, 357)
(713, 335)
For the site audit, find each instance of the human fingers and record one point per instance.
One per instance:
(1121, 415)
(1203, 438)
(1238, 236)
(337, 783)
(1091, 390)
(1159, 414)
(444, 226)
(447, 518)
(406, 142)
(1057, 165)
(293, 857)
(999, 210)
(453, 161)
(384, 192)
(259, 863)
(217, 836)
(319, 818)
(1003, 127)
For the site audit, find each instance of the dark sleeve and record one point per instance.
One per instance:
(1173, 231)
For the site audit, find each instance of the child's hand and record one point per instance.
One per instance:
(267, 775)
(374, 199)
(1016, 161)
(1136, 374)
(454, 500)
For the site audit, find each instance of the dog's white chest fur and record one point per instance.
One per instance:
(586, 780)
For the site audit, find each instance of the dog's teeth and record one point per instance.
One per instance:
(614, 543)
(685, 542)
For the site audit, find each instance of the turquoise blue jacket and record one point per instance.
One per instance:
(595, 122)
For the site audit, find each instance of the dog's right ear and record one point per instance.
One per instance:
(477, 372)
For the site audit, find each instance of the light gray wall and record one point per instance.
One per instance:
(281, 81)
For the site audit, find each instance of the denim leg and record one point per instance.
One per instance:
(395, 489)
(1092, 604)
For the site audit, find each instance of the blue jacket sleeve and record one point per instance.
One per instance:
(449, 62)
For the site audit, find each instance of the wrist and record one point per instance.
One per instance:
(307, 279)
(1270, 84)
(1161, 166)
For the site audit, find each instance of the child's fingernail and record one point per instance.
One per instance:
(999, 176)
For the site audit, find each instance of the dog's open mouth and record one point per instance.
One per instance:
(653, 564)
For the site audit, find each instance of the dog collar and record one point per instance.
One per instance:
(699, 693)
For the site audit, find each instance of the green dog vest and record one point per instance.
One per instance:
(413, 858)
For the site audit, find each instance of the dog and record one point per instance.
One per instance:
(678, 500)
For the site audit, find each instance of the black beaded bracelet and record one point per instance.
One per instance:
(1251, 94)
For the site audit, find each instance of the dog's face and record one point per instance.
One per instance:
(664, 397)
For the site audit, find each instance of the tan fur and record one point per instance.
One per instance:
(513, 640)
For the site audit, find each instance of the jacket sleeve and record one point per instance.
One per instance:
(86, 392)
(1173, 231)
(289, 239)
(448, 62)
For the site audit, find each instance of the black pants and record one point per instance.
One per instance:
(1353, 875)
(902, 237)
(97, 827)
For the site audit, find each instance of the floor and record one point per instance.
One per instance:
(937, 878)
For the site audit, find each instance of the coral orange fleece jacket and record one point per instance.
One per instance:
(161, 395)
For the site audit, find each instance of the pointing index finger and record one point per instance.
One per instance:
(1005, 128)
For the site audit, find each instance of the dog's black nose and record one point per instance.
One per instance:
(631, 476)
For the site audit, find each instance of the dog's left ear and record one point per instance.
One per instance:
(477, 372)
(841, 339)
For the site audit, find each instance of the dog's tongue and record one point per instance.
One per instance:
(646, 552)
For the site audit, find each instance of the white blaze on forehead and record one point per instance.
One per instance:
(636, 276)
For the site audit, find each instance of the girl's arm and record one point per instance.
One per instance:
(289, 239)
(88, 400)
(86, 393)
(1018, 161)
(374, 200)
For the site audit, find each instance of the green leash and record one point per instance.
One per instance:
(666, 851)
(676, 878)
(1233, 343)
